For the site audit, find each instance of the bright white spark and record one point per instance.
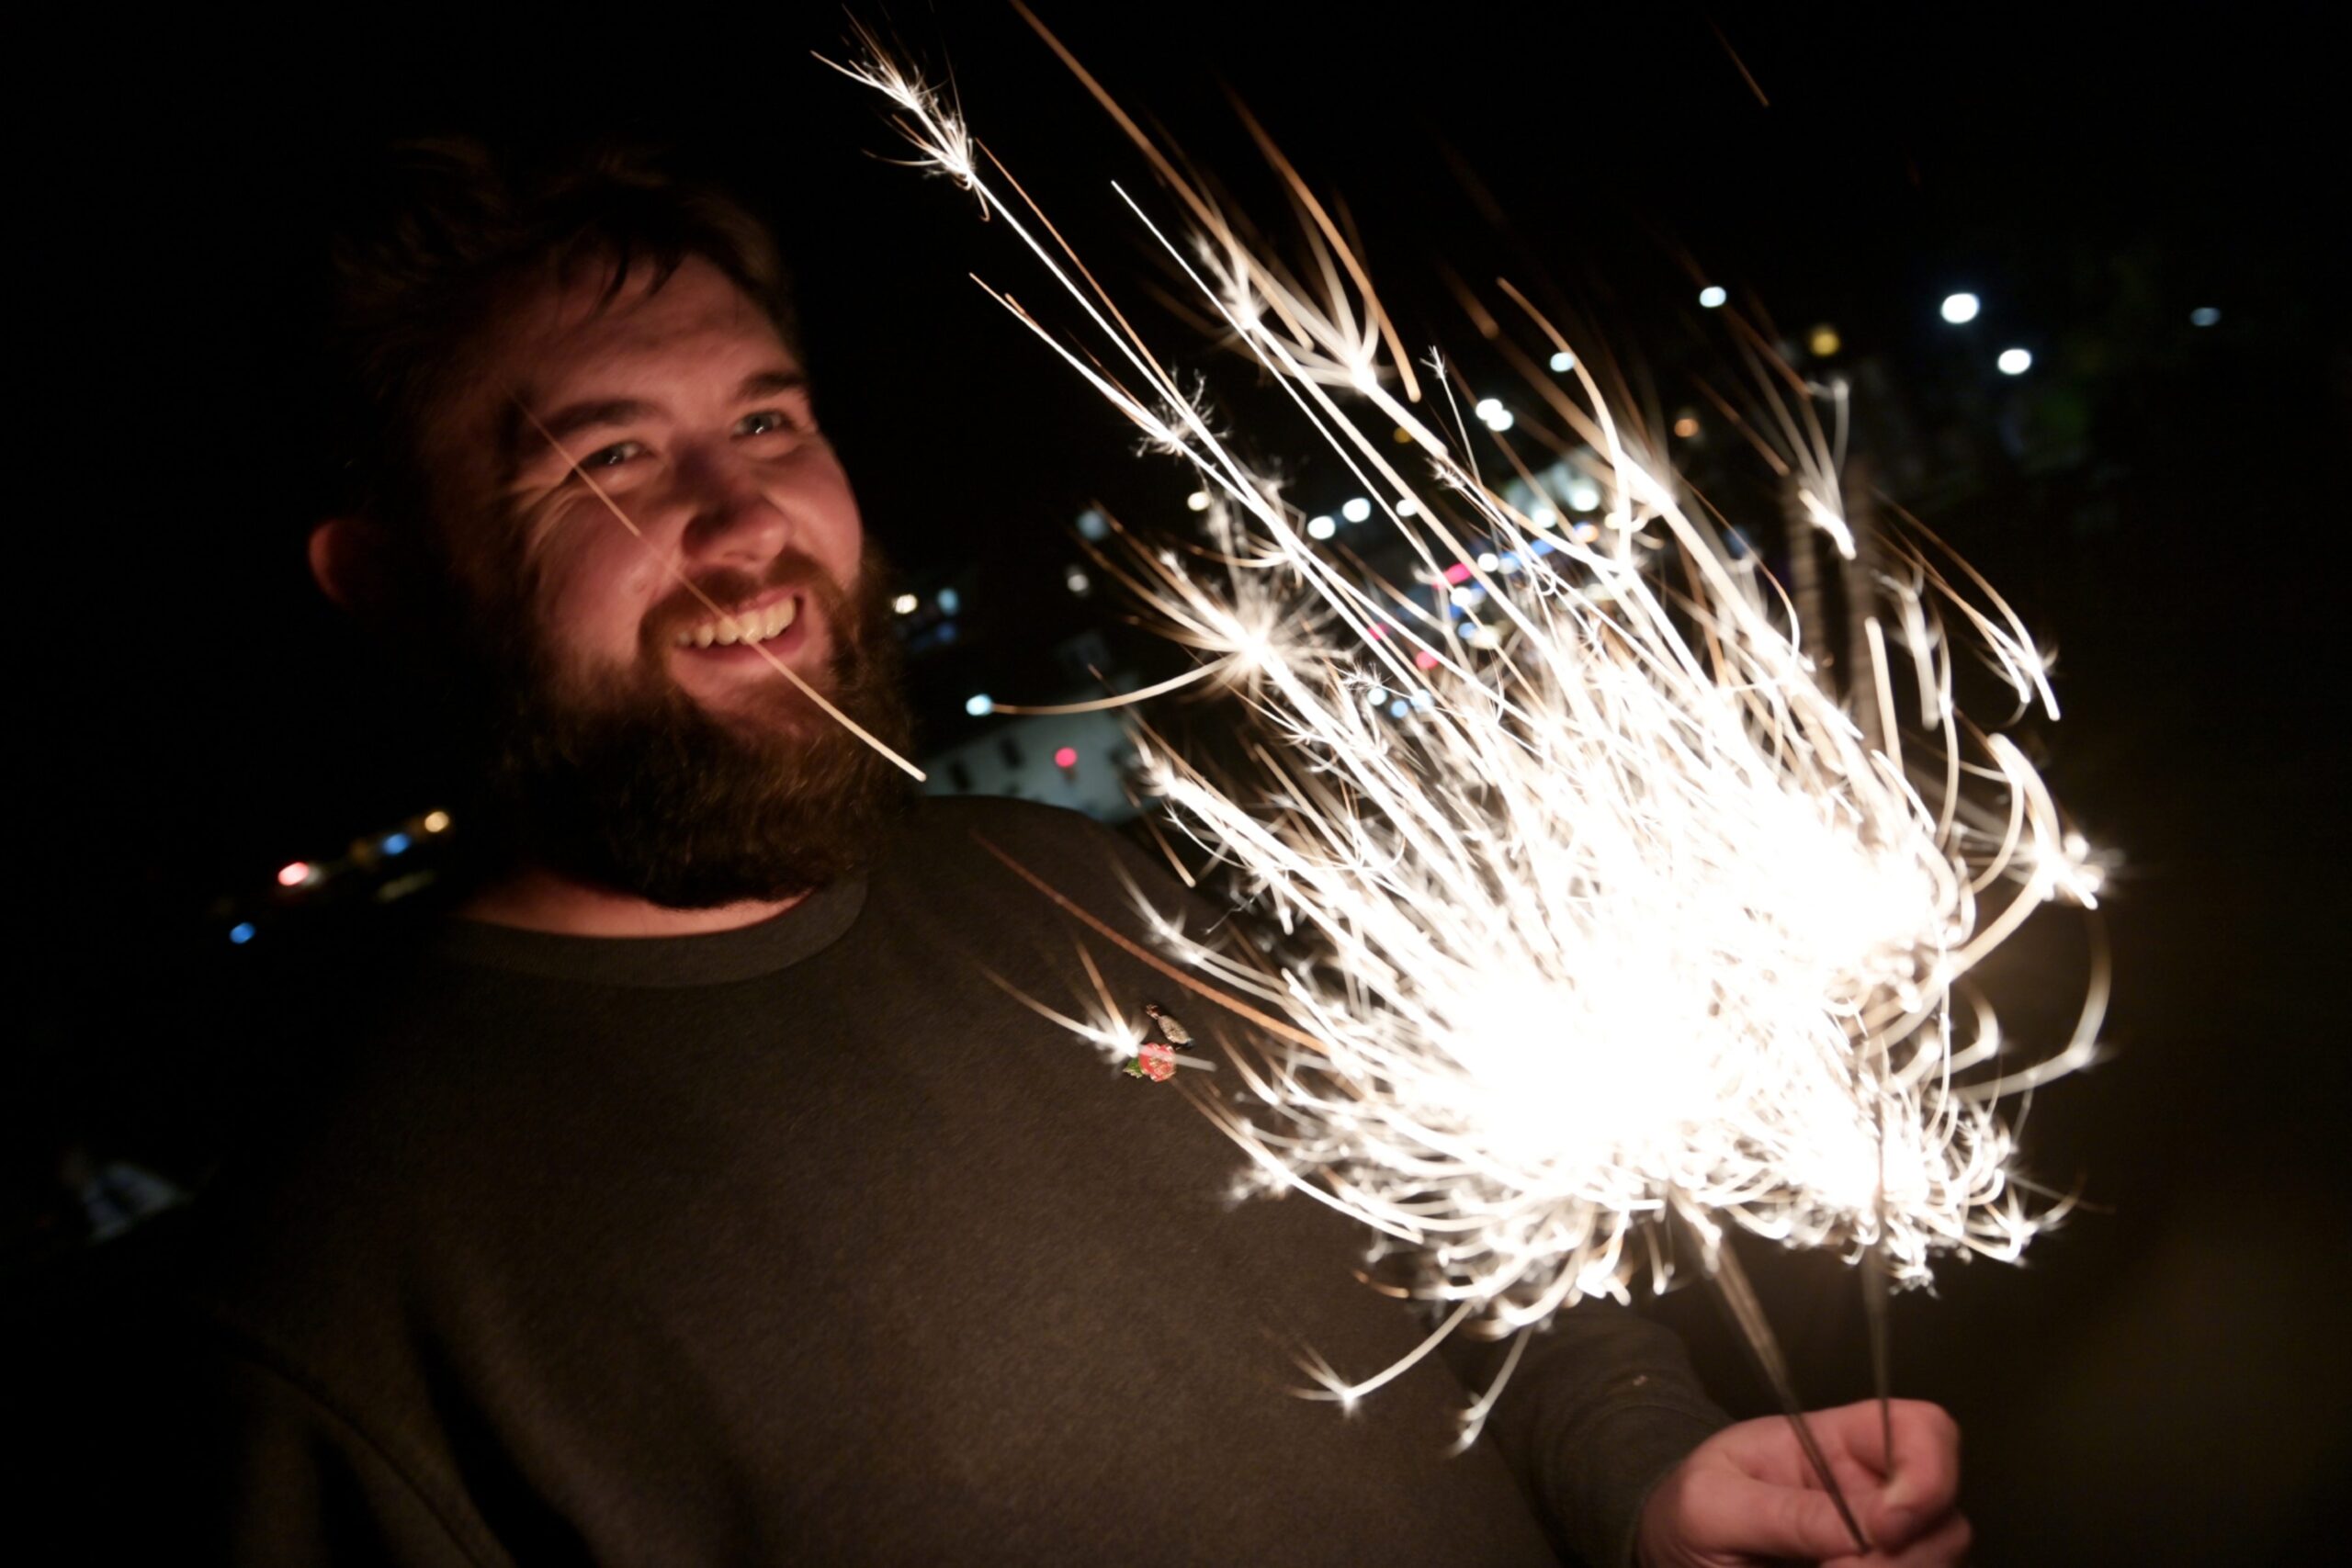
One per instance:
(1633, 919)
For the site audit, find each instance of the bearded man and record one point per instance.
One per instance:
(699, 1195)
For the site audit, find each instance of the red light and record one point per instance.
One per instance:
(294, 874)
(1375, 631)
(1066, 757)
(1424, 659)
(1458, 573)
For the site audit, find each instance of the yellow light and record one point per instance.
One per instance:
(1824, 342)
(1402, 436)
(436, 822)
(1687, 426)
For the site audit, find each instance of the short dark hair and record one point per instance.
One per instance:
(454, 232)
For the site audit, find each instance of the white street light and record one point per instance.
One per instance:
(1712, 296)
(1356, 509)
(1320, 527)
(2015, 361)
(1959, 307)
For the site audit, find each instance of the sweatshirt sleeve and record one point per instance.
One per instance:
(1601, 1406)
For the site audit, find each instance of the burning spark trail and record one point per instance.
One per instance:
(1629, 918)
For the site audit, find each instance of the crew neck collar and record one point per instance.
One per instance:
(716, 958)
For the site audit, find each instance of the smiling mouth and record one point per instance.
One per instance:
(745, 626)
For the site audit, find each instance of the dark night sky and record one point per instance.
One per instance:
(2156, 1385)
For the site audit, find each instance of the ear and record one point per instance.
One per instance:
(358, 565)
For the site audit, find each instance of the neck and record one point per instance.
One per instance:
(537, 899)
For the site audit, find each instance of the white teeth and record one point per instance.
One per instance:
(746, 627)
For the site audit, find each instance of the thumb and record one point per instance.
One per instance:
(1754, 1516)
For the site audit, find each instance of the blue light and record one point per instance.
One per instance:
(242, 932)
(980, 706)
(394, 843)
(2203, 316)
(1400, 708)
(950, 600)
(1093, 524)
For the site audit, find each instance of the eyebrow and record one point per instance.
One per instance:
(566, 423)
(768, 383)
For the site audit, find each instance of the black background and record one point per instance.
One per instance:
(2160, 1381)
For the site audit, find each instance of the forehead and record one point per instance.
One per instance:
(577, 338)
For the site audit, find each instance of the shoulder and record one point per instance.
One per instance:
(1008, 820)
(993, 859)
(985, 832)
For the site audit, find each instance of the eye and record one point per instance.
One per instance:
(766, 423)
(612, 456)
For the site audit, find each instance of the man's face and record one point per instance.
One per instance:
(642, 742)
(686, 410)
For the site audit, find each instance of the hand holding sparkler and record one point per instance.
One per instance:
(1747, 1495)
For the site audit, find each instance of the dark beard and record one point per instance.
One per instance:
(629, 785)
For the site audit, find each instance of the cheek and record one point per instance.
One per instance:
(841, 531)
(593, 599)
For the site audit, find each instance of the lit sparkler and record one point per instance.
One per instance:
(1630, 918)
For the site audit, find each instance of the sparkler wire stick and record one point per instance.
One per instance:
(1738, 1297)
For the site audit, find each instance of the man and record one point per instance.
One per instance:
(700, 1194)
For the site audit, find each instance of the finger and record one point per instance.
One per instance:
(1736, 1512)
(1926, 1472)
(1768, 1448)
(1924, 1482)
(1945, 1546)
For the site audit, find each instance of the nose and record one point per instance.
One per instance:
(733, 521)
